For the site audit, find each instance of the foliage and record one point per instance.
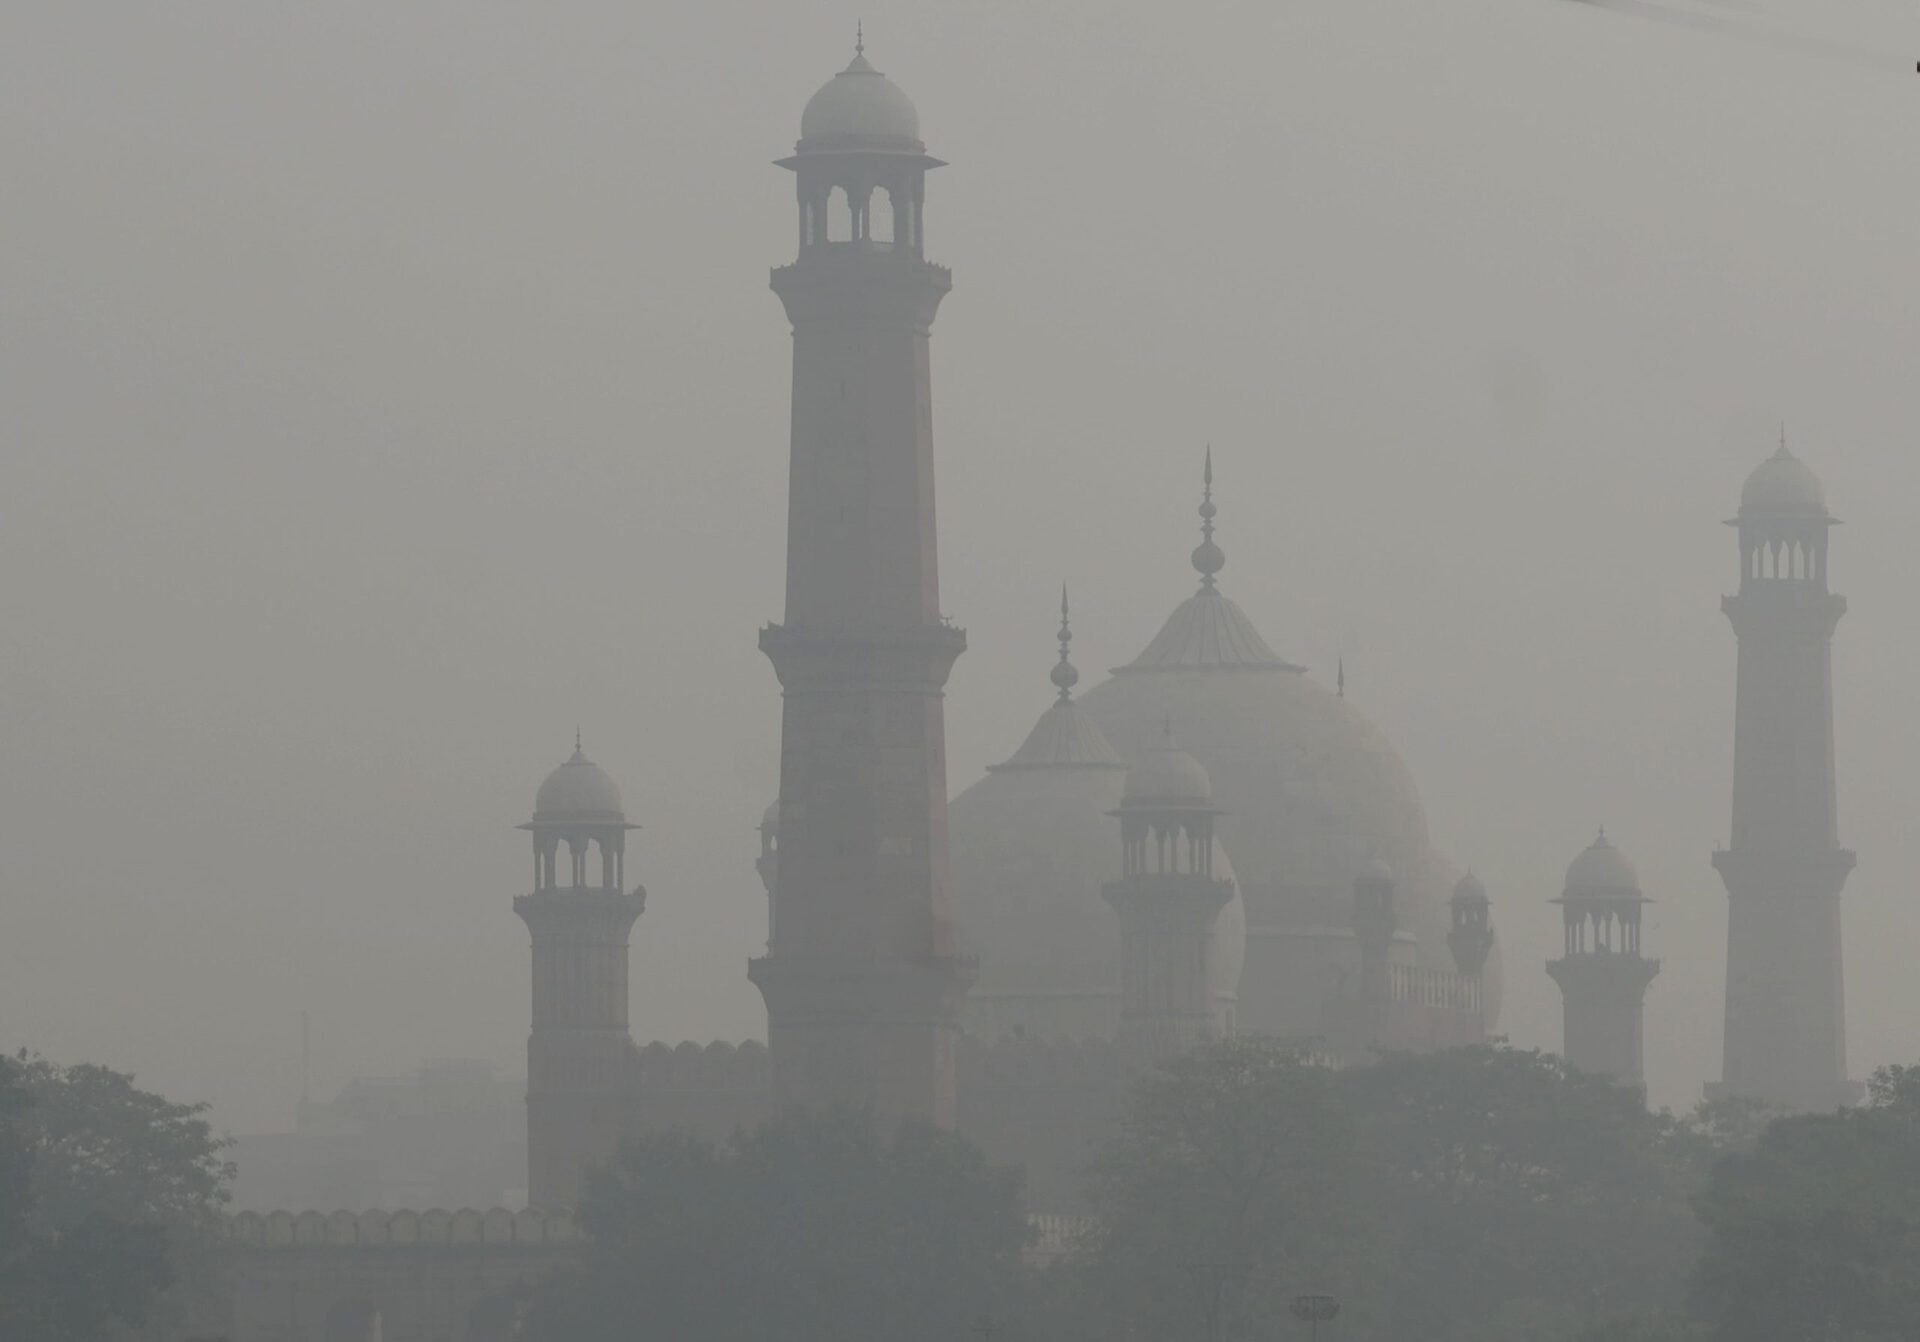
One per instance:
(1815, 1233)
(1477, 1193)
(107, 1195)
(1510, 1185)
(808, 1228)
(104, 1147)
(1221, 1194)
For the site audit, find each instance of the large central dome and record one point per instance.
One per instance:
(1032, 843)
(1312, 792)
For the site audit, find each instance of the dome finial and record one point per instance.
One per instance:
(859, 38)
(576, 736)
(1065, 675)
(1208, 558)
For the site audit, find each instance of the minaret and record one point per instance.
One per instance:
(862, 984)
(578, 1053)
(1602, 976)
(1167, 899)
(1786, 1040)
(1470, 937)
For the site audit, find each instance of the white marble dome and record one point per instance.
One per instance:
(1168, 776)
(859, 108)
(1782, 485)
(1031, 845)
(579, 792)
(1602, 870)
(1310, 789)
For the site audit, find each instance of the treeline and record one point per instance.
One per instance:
(1483, 1194)
(110, 1198)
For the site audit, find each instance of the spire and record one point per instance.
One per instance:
(1065, 676)
(1340, 678)
(1208, 558)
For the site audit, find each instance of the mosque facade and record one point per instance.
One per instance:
(1208, 841)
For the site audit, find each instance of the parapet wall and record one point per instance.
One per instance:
(383, 1229)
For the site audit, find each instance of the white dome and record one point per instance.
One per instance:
(1782, 484)
(1168, 776)
(579, 792)
(1311, 791)
(857, 108)
(1602, 869)
(1374, 871)
(1032, 843)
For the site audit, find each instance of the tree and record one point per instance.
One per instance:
(808, 1229)
(1512, 1186)
(108, 1196)
(1476, 1193)
(1815, 1233)
(1222, 1196)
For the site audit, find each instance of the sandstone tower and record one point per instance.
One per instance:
(1167, 899)
(1786, 1039)
(862, 984)
(1603, 977)
(578, 1053)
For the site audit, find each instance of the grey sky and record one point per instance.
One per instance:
(385, 388)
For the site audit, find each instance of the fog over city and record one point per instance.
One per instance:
(387, 391)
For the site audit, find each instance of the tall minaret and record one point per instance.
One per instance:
(1786, 1039)
(578, 1067)
(1603, 977)
(1167, 898)
(862, 984)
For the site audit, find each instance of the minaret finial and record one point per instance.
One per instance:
(1208, 558)
(1065, 675)
(576, 736)
(859, 38)
(1340, 678)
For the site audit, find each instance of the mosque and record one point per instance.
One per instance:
(1207, 842)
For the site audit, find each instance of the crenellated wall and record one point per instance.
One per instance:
(401, 1276)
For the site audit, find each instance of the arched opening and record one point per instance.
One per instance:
(353, 1321)
(839, 216)
(884, 214)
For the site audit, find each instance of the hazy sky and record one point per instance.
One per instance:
(385, 388)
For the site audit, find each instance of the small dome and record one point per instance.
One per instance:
(1782, 485)
(1168, 776)
(1469, 890)
(1602, 869)
(770, 818)
(858, 107)
(1374, 871)
(578, 792)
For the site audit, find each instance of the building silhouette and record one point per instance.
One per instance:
(1603, 977)
(862, 983)
(1786, 1036)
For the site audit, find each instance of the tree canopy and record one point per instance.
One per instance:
(1814, 1234)
(108, 1196)
(808, 1229)
(1482, 1193)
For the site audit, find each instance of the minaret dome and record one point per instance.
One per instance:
(860, 109)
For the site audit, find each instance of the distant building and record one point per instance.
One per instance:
(453, 1133)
